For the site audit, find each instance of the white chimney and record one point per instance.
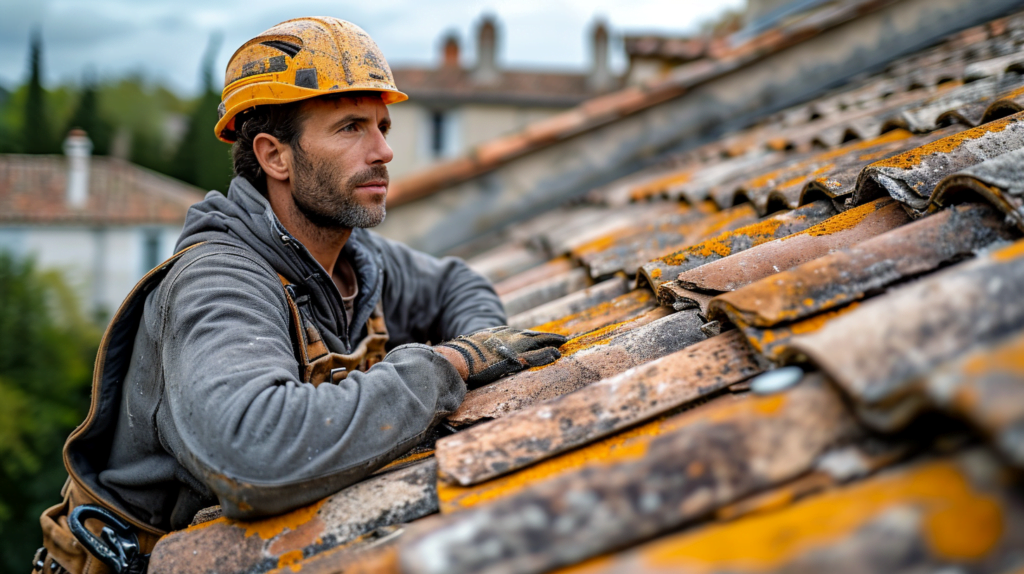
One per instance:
(486, 71)
(600, 78)
(78, 148)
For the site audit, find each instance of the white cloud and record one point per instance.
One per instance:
(166, 39)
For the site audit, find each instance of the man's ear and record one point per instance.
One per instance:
(275, 157)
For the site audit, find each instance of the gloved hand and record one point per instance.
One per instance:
(498, 351)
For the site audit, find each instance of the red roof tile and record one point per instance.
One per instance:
(33, 190)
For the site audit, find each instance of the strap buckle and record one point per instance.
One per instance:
(119, 548)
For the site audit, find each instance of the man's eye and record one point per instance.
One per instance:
(349, 128)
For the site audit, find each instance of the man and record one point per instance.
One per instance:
(239, 372)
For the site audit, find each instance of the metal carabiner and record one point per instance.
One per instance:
(119, 548)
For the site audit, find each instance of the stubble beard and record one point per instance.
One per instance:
(328, 200)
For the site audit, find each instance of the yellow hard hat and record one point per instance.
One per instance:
(300, 59)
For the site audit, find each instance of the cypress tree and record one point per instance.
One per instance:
(35, 130)
(202, 159)
(87, 117)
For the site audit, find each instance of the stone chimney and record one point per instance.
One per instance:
(486, 71)
(78, 149)
(600, 78)
(450, 52)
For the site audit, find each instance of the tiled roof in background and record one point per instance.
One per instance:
(666, 48)
(33, 190)
(799, 347)
(722, 58)
(449, 85)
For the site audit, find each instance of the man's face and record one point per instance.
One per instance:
(340, 177)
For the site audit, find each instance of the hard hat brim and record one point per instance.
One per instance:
(246, 97)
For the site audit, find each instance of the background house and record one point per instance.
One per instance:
(454, 107)
(102, 221)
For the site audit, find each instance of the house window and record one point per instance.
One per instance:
(438, 121)
(150, 249)
(439, 133)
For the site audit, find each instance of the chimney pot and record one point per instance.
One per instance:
(451, 52)
(486, 64)
(600, 76)
(78, 149)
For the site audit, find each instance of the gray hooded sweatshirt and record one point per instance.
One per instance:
(213, 408)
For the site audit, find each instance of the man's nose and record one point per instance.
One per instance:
(381, 152)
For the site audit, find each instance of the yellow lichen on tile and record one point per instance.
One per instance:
(843, 221)
(407, 459)
(634, 300)
(660, 185)
(291, 559)
(721, 245)
(958, 523)
(910, 159)
(1010, 252)
(622, 447)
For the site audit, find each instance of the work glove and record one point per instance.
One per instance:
(498, 351)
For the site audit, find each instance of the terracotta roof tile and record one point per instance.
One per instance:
(838, 278)
(912, 176)
(680, 476)
(837, 232)
(585, 359)
(667, 268)
(984, 386)
(921, 516)
(446, 84)
(33, 190)
(1000, 180)
(595, 411)
(866, 351)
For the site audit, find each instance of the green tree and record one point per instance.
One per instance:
(45, 371)
(7, 137)
(35, 130)
(87, 117)
(202, 159)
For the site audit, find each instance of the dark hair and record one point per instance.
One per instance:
(283, 121)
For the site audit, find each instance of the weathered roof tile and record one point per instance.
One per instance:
(843, 230)
(912, 176)
(798, 172)
(604, 354)
(234, 547)
(545, 291)
(595, 411)
(1000, 180)
(848, 275)
(622, 308)
(925, 516)
(574, 302)
(878, 352)
(668, 267)
(985, 387)
(627, 256)
(727, 453)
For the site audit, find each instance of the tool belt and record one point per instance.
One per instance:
(81, 536)
(318, 365)
(88, 534)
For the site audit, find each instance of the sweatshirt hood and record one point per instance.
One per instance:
(244, 216)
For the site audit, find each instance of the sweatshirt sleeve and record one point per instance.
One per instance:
(237, 416)
(432, 299)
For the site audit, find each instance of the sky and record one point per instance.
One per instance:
(165, 40)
